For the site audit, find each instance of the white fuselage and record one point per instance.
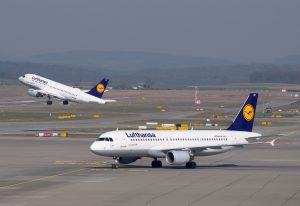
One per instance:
(154, 143)
(58, 90)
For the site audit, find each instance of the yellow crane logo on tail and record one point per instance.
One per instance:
(248, 112)
(100, 88)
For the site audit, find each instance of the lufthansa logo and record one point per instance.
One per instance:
(100, 88)
(248, 112)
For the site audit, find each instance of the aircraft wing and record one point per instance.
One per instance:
(251, 141)
(167, 149)
(51, 94)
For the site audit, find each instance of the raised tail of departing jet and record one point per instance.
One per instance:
(99, 89)
(245, 118)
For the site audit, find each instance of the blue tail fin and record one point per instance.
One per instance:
(99, 89)
(245, 118)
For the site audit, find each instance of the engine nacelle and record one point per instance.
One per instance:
(34, 93)
(175, 157)
(127, 160)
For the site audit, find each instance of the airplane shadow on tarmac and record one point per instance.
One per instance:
(165, 167)
(208, 167)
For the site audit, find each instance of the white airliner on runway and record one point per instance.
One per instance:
(40, 87)
(178, 147)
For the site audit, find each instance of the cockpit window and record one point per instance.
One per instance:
(107, 139)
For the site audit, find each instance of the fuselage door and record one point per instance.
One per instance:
(233, 139)
(111, 143)
(107, 143)
(123, 142)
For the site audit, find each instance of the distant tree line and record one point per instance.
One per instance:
(276, 76)
(158, 77)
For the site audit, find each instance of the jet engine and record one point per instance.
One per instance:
(34, 93)
(178, 157)
(127, 160)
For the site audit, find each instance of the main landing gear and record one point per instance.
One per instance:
(190, 165)
(116, 164)
(49, 102)
(156, 163)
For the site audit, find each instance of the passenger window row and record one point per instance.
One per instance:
(181, 139)
(107, 139)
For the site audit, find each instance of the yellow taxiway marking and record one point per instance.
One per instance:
(14, 186)
(72, 162)
(40, 179)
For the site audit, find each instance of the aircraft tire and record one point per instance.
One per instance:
(156, 164)
(114, 166)
(190, 165)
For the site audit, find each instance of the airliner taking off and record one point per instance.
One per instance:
(40, 87)
(178, 147)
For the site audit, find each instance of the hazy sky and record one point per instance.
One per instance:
(240, 30)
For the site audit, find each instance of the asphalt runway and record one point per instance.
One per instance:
(41, 171)
(55, 171)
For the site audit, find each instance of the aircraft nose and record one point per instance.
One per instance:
(93, 147)
(22, 78)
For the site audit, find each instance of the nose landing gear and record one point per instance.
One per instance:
(116, 164)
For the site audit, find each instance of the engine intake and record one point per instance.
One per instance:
(34, 93)
(175, 157)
